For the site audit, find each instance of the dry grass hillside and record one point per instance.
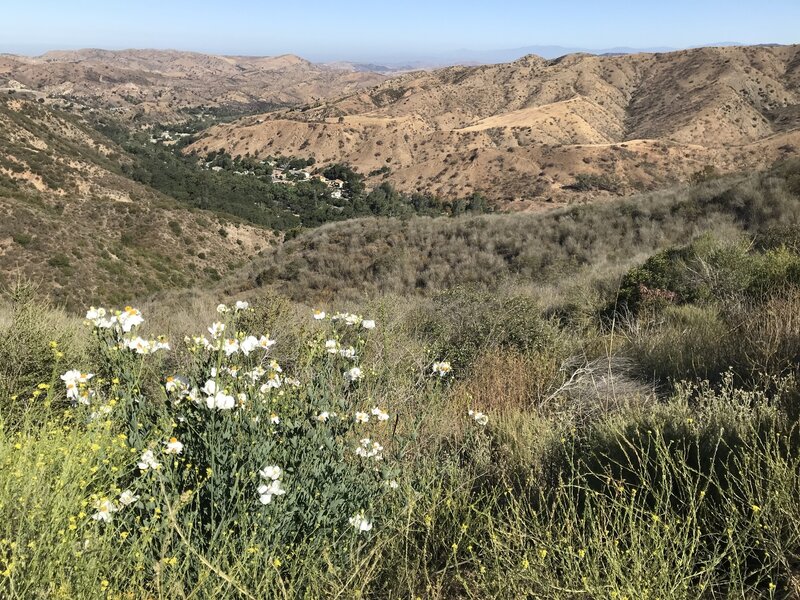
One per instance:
(159, 84)
(71, 221)
(528, 130)
(558, 249)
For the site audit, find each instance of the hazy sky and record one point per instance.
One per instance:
(379, 30)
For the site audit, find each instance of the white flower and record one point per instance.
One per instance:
(99, 319)
(360, 522)
(442, 368)
(102, 411)
(274, 419)
(353, 374)
(148, 461)
(369, 449)
(127, 498)
(324, 416)
(319, 315)
(274, 382)
(173, 446)
(382, 416)
(210, 387)
(362, 417)
(242, 305)
(368, 324)
(272, 472)
(221, 401)
(105, 509)
(257, 373)
(75, 383)
(348, 318)
(95, 313)
(129, 318)
(265, 343)
(480, 418)
(349, 353)
(331, 346)
(142, 346)
(216, 329)
(231, 347)
(76, 376)
(392, 485)
(205, 343)
(222, 309)
(248, 344)
(266, 492)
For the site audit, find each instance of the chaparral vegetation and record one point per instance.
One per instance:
(576, 420)
(513, 331)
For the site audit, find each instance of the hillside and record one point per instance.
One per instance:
(565, 247)
(530, 130)
(75, 224)
(165, 84)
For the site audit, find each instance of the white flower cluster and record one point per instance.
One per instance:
(378, 413)
(369, 449)
(479, 417)
(147, 461)
(247, 345)
(106, 507)
(360, 522)
(239, 306)
(353, 374)
(333, 347)
(324, 416)
(216, 398)
(244, 345)
(77, 386)
(442, 368)
(124, 320)
(143, 346)
(348, 319)
(271, 475)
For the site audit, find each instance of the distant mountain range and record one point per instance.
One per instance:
(486, 57)
(167, 84)
(538, 129)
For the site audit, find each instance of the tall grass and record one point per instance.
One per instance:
(690, 494)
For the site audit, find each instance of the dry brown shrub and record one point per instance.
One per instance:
(504, 380)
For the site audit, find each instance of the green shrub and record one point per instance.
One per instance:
(586, 182)
(707, 270)
(683, 342)
(34, 341)
(462, 323)
(60, 261)
(230, 414)
(23, 239)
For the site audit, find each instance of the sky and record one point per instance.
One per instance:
(389, 31)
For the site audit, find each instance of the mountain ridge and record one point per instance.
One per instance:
(169, 85)
(523, 131)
